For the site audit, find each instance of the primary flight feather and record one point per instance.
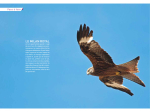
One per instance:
(103, 66)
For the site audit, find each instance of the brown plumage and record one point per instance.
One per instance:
(103, 66)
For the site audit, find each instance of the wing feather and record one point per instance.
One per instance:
(119, 87)
(115, 82)
(92, 49)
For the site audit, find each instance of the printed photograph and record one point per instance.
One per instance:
(74, 56)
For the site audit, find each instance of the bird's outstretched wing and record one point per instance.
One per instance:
(115, 82)
(99, 58)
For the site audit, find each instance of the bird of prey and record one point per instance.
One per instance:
(103, 66)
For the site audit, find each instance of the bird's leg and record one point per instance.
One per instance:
(118, 73)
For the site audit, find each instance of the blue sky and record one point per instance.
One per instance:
(121, 30)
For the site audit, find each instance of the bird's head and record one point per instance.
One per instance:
(89, 71)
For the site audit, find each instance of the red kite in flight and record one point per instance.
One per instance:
(103, 66)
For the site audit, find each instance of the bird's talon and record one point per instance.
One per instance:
(117, 73)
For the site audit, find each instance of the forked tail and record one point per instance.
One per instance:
(132, 65)
(133, 78)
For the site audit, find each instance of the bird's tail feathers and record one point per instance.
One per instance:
(132, 65)
(133, 78)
